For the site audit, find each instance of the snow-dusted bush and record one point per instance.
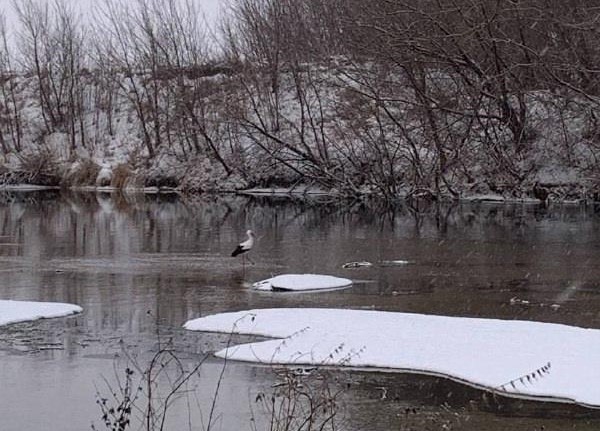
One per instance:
(204, 175)
(36, 168)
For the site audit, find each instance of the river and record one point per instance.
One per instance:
(142, 265)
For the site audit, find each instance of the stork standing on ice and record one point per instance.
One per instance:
(245, 246)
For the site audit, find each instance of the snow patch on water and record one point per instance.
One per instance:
(22, 311)
(516, 358)
(302, 282)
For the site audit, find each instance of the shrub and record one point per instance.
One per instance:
(82, 173)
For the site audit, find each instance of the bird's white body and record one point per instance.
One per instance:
(244, 246)
(249, 243)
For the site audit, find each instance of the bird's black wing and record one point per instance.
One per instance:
(238, 250)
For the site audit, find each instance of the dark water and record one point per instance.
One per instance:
(140, 266)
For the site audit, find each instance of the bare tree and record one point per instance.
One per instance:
(50, 43)
(11, 110)
(120, 52)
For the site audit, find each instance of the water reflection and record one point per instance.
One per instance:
(142, 263)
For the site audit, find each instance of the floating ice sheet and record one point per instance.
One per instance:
(301, 282)
(22, 311)
(517, 358)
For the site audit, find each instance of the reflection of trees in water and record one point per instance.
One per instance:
(31, 197)
(102, 223)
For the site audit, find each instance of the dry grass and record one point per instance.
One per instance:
(121, 176)
(84, 173)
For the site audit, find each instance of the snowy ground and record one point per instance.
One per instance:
(22, 311)
(302, 282)
(517, 358)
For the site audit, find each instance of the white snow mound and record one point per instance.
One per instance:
(300, 282)
(22, 311)
(517, 358)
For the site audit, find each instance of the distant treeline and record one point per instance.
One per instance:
(429, 97)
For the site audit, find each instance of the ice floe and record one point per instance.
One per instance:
(22, 311)
(516, 358)
(302, 282)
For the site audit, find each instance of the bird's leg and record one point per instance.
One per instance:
(251, 261)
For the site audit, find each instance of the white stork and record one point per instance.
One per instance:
(244, 246)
